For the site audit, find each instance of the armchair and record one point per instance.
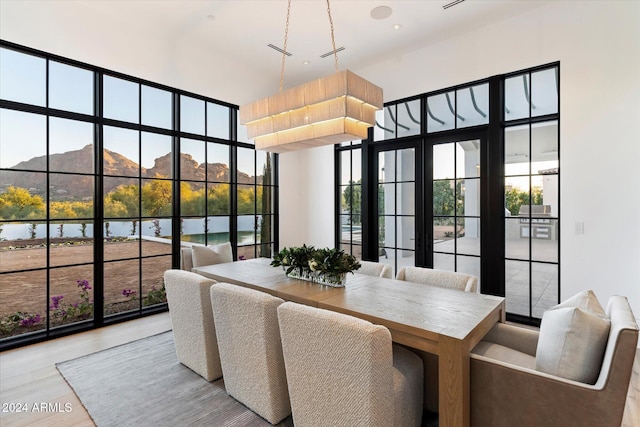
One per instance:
(507, 390)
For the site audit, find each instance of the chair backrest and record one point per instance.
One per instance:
(196, 255)
(339, 368)
(441, 278)
(376, 269)
(621, 346)
(194, 331)
(250, 349)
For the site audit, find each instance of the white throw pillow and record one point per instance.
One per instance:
(573, 338)
(207, 255)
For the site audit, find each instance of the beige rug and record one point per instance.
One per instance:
(142, 384)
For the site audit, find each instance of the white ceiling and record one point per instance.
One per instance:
(240, 30)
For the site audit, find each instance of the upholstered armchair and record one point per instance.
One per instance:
(345, 371)
(194, 332)
(509, 389)
(375, 269)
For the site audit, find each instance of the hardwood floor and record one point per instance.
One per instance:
(29, 378)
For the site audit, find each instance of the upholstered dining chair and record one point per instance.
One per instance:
(345, 371)
(194, 331)
(199, 255)
(519, 377)
(376, 269)
(443, 279)
(250, 349)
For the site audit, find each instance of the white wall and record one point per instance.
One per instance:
(598, 46)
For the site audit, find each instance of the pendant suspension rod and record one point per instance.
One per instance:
(284, 48)
(333, 39)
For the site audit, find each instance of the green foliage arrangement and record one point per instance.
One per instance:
(326, 261)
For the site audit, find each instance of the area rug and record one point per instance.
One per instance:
(141, 383)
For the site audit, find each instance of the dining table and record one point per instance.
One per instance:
(441, 321)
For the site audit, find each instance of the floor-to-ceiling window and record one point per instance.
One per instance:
(436, 169)
(102, 177)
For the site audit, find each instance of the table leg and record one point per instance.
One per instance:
(454, 383)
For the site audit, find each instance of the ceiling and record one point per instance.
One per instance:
(240, 30)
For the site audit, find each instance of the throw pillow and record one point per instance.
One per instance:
(207, 255)
(573, 338)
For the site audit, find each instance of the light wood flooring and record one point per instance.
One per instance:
(28, 376)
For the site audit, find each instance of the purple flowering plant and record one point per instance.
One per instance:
(80, 310)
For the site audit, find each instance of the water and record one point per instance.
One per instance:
(244, 238)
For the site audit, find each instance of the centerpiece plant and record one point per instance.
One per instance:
(328, 265)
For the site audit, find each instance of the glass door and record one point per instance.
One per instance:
(454, 209)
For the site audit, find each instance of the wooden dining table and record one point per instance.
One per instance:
(445, 322)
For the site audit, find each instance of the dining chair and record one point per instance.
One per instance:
(443, 279)
(345, 371)
(250, 349)
(194, 331)
(440, 278)
(376, 269)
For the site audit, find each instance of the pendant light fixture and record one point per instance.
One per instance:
(334, 109)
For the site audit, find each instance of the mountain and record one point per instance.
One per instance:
(77, 187)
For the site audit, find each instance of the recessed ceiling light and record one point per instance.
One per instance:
(211, 17)
(396, 26)
(381, 12)
(305, 62)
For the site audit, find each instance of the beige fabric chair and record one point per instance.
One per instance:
(376, 269)
(441, 278)
(506, 390)
(250, 349)
(194, 332)
(205, 255)
(344, 371)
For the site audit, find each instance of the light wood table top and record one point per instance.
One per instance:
(441, 321)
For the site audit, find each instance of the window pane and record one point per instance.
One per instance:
(218, 199)
(242, 130)
(469, 265)
(217, 120)
(473, 106)
(516, 195)
(246, 199)
(192, 159)
(516, 239)
(444, 262)
(192, 198)
(544, 147)
(406, 198)
(26, 293)
(468, 159)
(32, 255)
(443, 235)
(440, 112)
(22, 139)
(121, 283)
(121, 153)
(443, 161)
(70, 146)
(443, 197)
(158, 228)
(246, 166)
(153, 269)
(517, 287)
(70, 88)
(71, 196)
(121, 196)
(158, 246)
(218, 162)
(246, 230)
(409, 117)
(194, 230)
(544, 287)
(544, 92)
(121, 100)
(156, 107)
(468, 240)
(71, 291)
(516, 94)
(384, 128)
(516, 151)
(218, 230)
(407, 232)
(156, 155)
(156, 198)
(191, 115)
(22, 78)
(24, 197)
(69, 249)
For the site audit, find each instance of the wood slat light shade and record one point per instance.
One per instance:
(333, 109)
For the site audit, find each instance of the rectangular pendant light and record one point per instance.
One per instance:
(333, 109)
